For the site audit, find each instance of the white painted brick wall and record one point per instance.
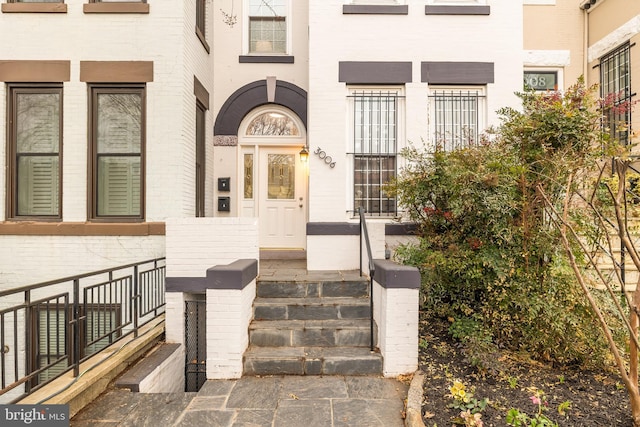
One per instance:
(26, 260)
(396, 314)
(174, 316)
(343, 252)
(335, 37)
(196, 244)
(168, 377)
(229, 313)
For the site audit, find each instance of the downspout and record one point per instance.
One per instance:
(585, 45)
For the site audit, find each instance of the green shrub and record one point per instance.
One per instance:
(488, 257)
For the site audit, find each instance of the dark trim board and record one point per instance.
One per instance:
(391, 275)
(457, 73)
(333, 229)
(457, 10)
(353, 229)
(375, 9)
(374, 72)
(401, 229)
(266, 59)
(236, 275)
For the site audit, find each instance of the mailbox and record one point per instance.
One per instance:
(224, 184)
(224, 204)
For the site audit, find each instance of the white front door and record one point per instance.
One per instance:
(283, 198)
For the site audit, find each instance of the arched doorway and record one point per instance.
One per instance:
(273, 183)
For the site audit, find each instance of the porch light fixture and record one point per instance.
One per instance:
(304, 154)
(587, 4)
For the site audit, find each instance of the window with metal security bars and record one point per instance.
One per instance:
(456, 117)
(615, 89)
(375, 142)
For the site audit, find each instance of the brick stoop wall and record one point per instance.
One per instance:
(216, 259)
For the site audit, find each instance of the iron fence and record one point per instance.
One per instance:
(195, 371)
(49, 328)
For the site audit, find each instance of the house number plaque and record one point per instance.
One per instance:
(323, 156)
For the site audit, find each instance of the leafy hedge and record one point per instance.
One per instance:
(490, 262)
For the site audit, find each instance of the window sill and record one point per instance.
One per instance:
(41, 228)
(375, 9)
(457, 10)
(266, 59)
(34, 8)
(131, 7)
(203, 40)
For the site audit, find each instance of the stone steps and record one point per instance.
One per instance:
(313, 289)
(310, 333)
(310, 308)
(312, 361)
(311, 327)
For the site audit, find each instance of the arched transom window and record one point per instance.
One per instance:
(272, 123)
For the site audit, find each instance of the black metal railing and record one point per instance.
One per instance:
(364, 239)
(49, 328)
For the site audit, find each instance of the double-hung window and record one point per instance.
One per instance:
(457, 116)
(34, 151)
(268, 26)
(117, 123)
(375, 143)
(615, 88)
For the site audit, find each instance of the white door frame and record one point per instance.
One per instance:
(255, 145)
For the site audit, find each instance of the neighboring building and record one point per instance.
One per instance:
(565, 39)
(553, 43)
(613, 29)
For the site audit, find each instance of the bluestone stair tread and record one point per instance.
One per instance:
(328, 301)
(310, 352)
(312, 361)
(311, 324)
